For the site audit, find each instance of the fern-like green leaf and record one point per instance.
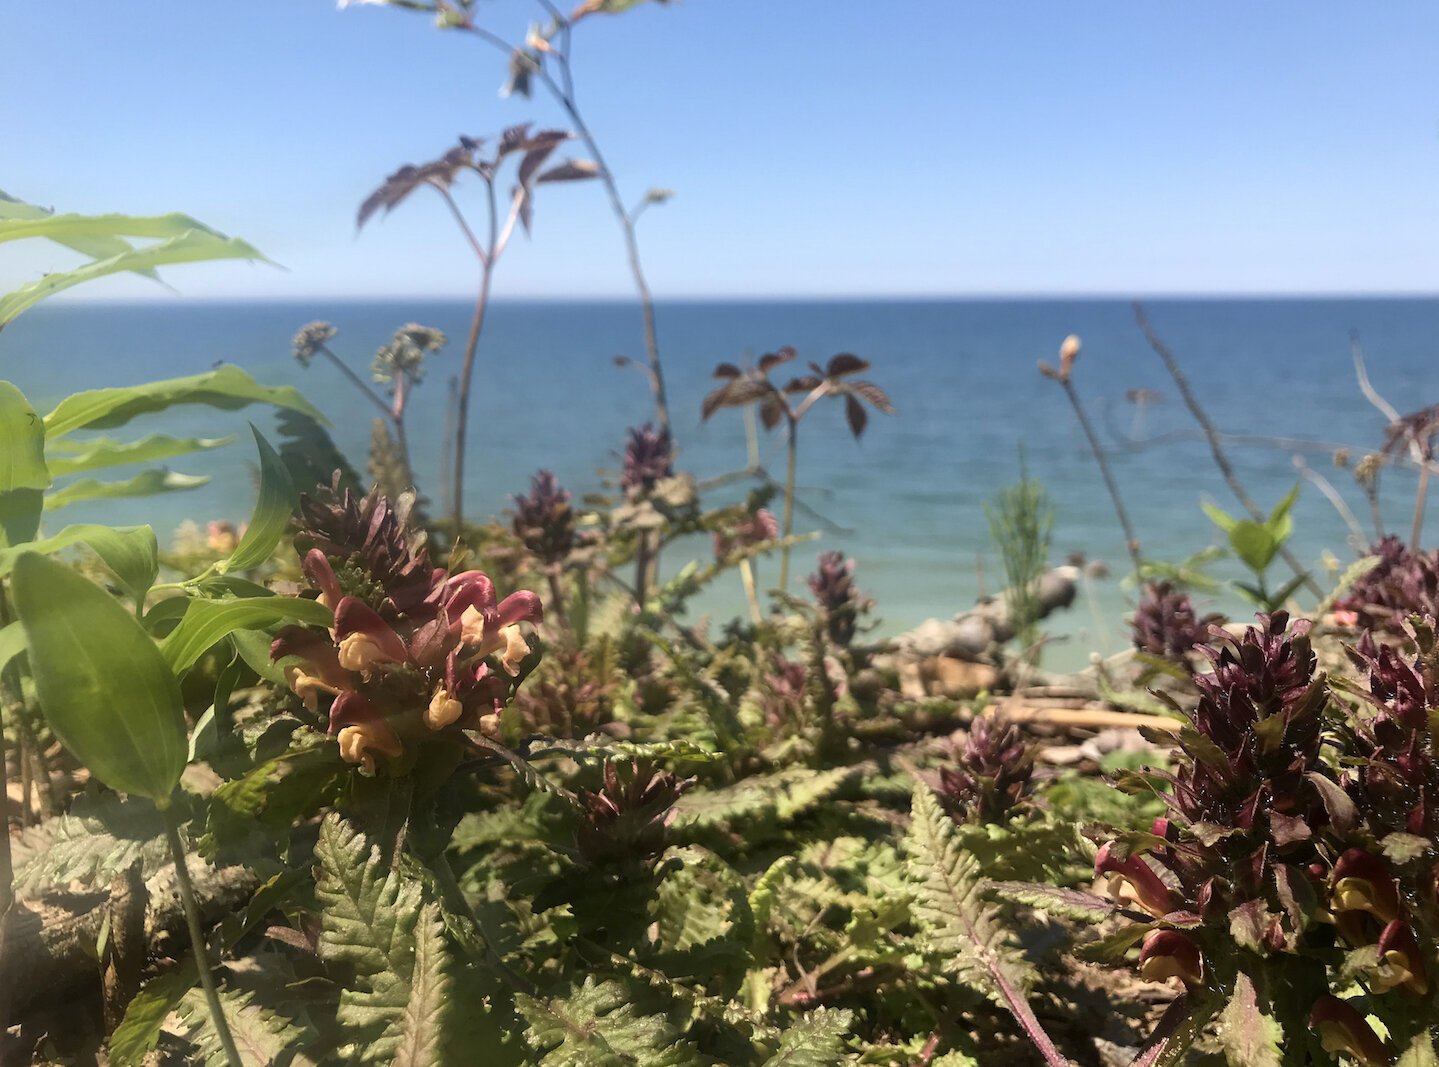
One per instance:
(815, 1040)
(99, 838)
(598, 746)
(428, 1007)
(261, 1036)
(783, 795)
(957, 921)
(597, 1026)
(380, 945)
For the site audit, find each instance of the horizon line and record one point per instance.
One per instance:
(1015, 296)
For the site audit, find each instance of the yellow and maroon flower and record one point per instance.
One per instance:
(1170, 954)
(1401, 964)
(1363, 896)
(1139, 877)
(363, 733)
(1342, 1029)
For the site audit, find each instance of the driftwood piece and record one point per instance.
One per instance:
(973, 633)
(48, 945)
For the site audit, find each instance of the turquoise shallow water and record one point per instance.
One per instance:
(907, 499)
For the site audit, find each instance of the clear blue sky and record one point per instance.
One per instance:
(826, 147)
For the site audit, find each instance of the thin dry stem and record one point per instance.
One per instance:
(1221, 460)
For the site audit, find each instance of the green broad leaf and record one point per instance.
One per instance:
(207, 622)
(104, 687)
(77, 457)
(130, 551)
(272, 511)
(191, 246)
(1254, 544)
(228, 388)
(1249, 1035)
(138, 1032)
(597, 1024)
(1279, 521)
(815, 1039)
(22, 443)
(12, 643)
(65, 228)
(253, 647)
(23, 474)
(146, 483)
(1218, 516)
(90, 245)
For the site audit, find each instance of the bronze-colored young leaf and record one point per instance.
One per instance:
(103, 685)
(770, 360)
(873, 393)
(571, 170)
(855, 415)
(845, 363)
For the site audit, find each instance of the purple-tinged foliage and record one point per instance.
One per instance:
(1401, 584)
(1166, 626)
(626, 821)
(991, 775)
(838, 598)
(544, 521)
(649, 457)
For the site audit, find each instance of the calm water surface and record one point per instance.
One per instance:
(907, 501)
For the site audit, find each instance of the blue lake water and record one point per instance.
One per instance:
(907, 499)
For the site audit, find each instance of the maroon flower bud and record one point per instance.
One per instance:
(992, 772)
(1166, 626)
(1342, 1029)
(834, 590)
(625, 822)
(1170, 954)
(649, 456)
(544, 520)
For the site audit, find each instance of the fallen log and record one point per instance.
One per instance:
(48, 944)
(973, 634)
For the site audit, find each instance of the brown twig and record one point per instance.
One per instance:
(1131, 542)
(1221, 460)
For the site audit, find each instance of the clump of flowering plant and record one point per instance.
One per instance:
(1403, 583)
(1166, 626)
(626, 821)
(1281, 877)
(415, 653)
(649, 457)
(991, 774)
(839, 600)
(544, 521)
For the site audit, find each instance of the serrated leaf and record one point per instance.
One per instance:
(1069, 903)
(596, 1025)
(603, 747)
(228, 388)
(147, 483)
(273, 508)
(782, 795)
(368, 937)
(207, 622)
(104, 687)
(1249, 1035)
(815, 1039)
(100, 837)
(958, 923)
(130, 551)
(424, 1027)
(261, 1036)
